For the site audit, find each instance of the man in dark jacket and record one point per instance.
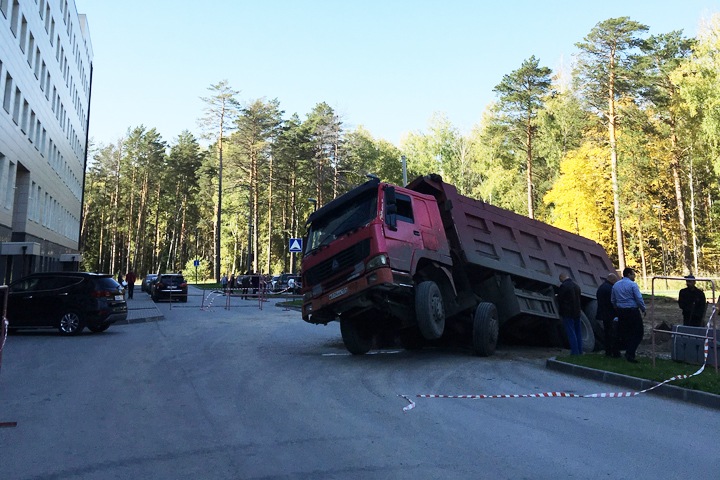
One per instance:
(692, 302)
(606, 313)
(569, 307)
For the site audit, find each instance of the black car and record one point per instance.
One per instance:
(171, 286)
(146, 285)
(68, 301)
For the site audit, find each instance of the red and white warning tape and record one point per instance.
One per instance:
(211, 298)
(411, 404)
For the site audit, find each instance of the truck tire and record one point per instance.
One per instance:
(429, 310)
(486, 328)
(590, 310)
(588, 335)
(357, 336)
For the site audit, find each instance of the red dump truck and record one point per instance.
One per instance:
(424, 262)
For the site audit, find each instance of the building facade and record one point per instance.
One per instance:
(45, 88)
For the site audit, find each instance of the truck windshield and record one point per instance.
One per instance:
(357, 213)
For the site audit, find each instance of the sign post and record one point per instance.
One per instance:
(295, 247)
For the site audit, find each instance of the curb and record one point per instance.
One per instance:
(704, 399)
(141, 320)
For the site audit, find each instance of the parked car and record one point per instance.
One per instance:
(68, 301)
(147, 282)
(285, 283)
(171, 286)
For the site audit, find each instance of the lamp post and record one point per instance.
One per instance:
(314, 203)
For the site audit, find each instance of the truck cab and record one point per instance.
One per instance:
(363, 252)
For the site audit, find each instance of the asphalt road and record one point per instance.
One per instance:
(250, 394)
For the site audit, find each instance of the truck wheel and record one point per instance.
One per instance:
(357, 336)
(587, 333)
(429, 310)
(590, 311)
(486, 328)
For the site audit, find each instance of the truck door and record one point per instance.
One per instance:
(405, 238)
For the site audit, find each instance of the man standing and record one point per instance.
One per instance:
(692, 303)
(130, 279)
(569, 308)
(629, 303)
(606, 313)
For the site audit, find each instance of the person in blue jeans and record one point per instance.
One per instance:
(569, 307)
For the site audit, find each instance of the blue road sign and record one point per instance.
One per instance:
(296, 245)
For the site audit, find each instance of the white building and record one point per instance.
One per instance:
(45, 84)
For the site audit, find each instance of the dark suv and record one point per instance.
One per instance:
(171, 286)
(68, 301)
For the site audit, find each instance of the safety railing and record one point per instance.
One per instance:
(710, 326)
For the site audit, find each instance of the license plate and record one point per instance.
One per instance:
(119, 297)
(338, 293)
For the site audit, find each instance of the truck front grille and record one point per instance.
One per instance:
(338, 263)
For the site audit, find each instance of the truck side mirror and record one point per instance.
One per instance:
(390, 208)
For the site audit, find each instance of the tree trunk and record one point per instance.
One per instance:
(529, 162)
(675, 166)
(614, 168)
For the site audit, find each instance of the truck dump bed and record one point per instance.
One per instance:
(497, 240)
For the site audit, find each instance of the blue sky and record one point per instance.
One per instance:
(385, 65)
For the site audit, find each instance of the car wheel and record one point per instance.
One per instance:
(429, 310)
(98, 328)
(183, 299)
(154, 298)
(71, 323)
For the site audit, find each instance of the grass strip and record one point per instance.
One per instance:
(707, 381)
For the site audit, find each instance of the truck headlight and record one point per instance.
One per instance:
(377, 262)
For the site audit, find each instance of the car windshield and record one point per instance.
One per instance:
(357, 213)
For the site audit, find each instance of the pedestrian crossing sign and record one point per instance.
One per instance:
(296, 245)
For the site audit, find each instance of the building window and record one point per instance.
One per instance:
(16, 106)
(3, 173)
(10, 190)
(23, 33)
(14, 17)
(37, 63)
(31, 127)
(24, 118)
(8, 92)
(4, 7)
(31, 50)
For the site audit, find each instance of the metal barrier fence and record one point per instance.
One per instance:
(711, 327)
(239, 297)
